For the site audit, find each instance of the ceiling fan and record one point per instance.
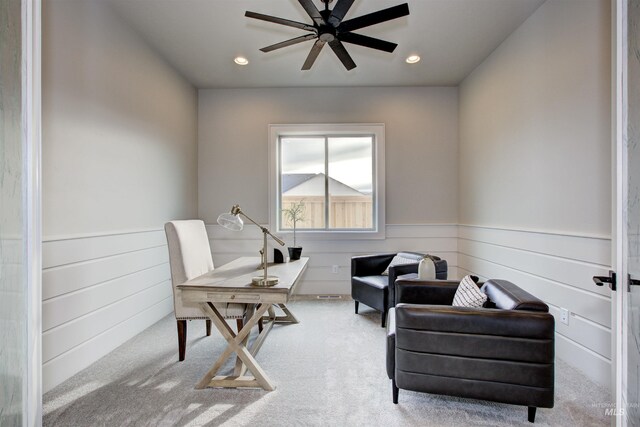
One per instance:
(329, 28)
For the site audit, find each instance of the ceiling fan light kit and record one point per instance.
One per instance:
(329, 28)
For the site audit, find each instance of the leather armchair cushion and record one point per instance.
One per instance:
(370, 290)
(409, 289)
(379, 282)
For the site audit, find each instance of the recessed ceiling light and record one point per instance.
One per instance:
(413, 59)
(241, 60)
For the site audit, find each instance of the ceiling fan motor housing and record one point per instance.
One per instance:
(327, 33)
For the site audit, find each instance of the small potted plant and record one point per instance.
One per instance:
(294, 214)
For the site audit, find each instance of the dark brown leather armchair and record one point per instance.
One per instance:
(503, 352)
(370, 287)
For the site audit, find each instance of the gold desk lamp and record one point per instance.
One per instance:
(232, 221)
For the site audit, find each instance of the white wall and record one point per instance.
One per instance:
(535, 170)
(421, 141)
(119, 159)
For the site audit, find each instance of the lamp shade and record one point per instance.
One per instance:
(230, 221)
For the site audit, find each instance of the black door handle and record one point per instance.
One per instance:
(632, 282)
(610, 279)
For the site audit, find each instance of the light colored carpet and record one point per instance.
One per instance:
(329, 370)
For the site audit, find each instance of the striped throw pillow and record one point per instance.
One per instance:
(468, 293)
(399, 260)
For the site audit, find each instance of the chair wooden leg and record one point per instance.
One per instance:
(532, 414)
(260, 325)
(357, 304)
(182, 339)
(395, 390)
(239, 324)
(208, 323)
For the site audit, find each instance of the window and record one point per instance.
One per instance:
(335, 171)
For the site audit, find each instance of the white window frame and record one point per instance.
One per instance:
(342, 129)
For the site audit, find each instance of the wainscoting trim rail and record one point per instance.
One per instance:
(55, 238)
(537, 231)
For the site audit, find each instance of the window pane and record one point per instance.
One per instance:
(303, 180)
(351, 182)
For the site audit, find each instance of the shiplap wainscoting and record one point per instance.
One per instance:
(558, 269)
(98, 292)
(436, 239)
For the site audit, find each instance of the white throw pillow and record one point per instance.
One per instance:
(399, 260)
(468, 294)
(427, 269)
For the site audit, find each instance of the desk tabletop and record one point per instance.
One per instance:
(236, 276)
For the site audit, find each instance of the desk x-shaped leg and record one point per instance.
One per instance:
(287, 318)
(237, 344)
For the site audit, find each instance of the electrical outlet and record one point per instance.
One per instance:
(335, 269)
(564, 316)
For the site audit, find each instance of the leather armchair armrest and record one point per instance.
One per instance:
(483, 321)
(508, 296)
(434, 292)
(370, 265)
(391, 344)
(394, 272)
(442, 269)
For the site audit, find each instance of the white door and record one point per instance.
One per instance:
(626, 301)
(631, 292)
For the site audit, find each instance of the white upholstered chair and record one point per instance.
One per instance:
(189, 257)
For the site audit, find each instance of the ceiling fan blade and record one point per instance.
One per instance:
(367, 41)
(289, 42)
(339, 11)
(342, 54)
(375, 18)
(281, 21)
(313, 54)
(313, 11)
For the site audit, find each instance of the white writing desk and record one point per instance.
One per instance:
(232, 283)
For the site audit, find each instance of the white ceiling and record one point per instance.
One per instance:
(200, 38)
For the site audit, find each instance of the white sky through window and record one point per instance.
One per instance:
(350, 159)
